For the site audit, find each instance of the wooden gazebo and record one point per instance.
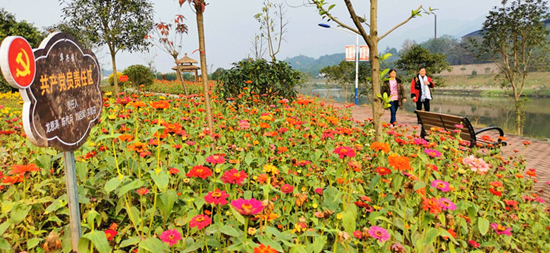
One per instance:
(185, 64)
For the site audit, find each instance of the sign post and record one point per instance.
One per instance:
(59, 84)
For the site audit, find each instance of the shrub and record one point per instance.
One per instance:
(269, 80)
(4, 85)
(139, 74)
(474, 72)
(112, 82)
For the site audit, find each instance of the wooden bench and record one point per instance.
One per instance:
(429, 120)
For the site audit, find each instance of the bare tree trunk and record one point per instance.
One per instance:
(115, 76)
(202, 51)
(179, 77)
(377, 109)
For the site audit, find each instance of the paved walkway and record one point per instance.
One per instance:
(537, 153)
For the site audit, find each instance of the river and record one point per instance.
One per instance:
(481, 111)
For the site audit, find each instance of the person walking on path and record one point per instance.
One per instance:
(420, 90)
(395, 91)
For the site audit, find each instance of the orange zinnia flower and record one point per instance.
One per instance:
(399, 162)
(22, 169)
(138, 147)
(377, 146)
(126, 137)
(264, 249)
(160, 104)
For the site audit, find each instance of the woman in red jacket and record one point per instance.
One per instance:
(420, 90)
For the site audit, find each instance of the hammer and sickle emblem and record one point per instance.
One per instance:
(25, 64)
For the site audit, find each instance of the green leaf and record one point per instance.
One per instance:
(4, 245)
(112, 184)
(430, 236)
(105, 136)
(228, 230)
(4, 226)
(153, 245)
(332, 198)
(131, 241)
(482, 225)
(194, 247)
(93, 216)
(31, 243)
(419, 185)
(385, 57)
(443, 232)
(19, 212)
(330, 7)
(373, 182)
(238, 216)
(130, 186)
(99, 240)
(349, 222)
(168, 199)
(269, 242)
(161, 180)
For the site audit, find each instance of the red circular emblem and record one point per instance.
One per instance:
(21, 69)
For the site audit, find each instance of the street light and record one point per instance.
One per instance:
(356, 56)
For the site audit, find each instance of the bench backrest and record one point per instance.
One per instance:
(447, 122)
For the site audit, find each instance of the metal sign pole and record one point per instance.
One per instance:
(72, 196)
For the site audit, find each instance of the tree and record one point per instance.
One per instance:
(65, 27)
(258, 49)
(371, 38)
(9, 26)
(510, 35)
(199, 6)
(419, 56)
(344, 74)
(273, 36)
(121, 25)
(170, 41)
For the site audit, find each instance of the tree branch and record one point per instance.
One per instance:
(402, 23)
(358, 24)
(319, 6)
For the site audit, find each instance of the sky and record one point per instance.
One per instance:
(230, 27)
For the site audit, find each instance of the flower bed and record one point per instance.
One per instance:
(281, 177)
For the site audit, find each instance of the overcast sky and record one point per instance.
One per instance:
(230, 26)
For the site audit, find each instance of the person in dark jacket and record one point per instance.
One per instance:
(395, 91)
(420, 90)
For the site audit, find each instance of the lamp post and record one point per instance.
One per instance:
(356, 56)
(435, 24)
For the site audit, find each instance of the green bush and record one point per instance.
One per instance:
(139, 74)
(5, 86)
(112, 81)
(267, 80)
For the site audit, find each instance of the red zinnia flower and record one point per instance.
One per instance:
(216, 159)
(432, 205)
(199, 171)
(234, 176)
(344, 151)
(200, 221)
(216, 197)
(287, 188)
(110, 234)
(382, 171)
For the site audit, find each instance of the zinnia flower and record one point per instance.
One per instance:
(399, 162)
(264, 249)
(110, 234)
(234, 176)
(378, 146)
(441, 185)
(432, 205)
(216, 197)
(287, 188)
(171, 236)
(379, 233)
(501, 230)
(215, 159)
(476, 164)
(199, 171)
(432, 153)
(200, 221)
(382, 171)
(243, 124)
(344, 151)
(247, 206)
(473, 243)
(142, 191)
(446, 204)
(160, 104)
(22, 169)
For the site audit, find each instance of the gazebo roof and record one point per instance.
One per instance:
(187, 68)
(186, 60)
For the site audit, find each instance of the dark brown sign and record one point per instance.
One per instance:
(64, 101)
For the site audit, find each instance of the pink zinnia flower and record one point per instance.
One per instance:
(199, 171)
(379, 233)
(243, 124)
(319, 191)
(432, 153)
(247, 206)
(344, 151)
(200, 221)
(473, 243)
(446, 204)
(215, 159)
(501, 230)
(418, 141)
(216, 197)
(476, 164)
(287, 188)
(234, 176)
(171, 237)
(441, 185)
(142, 191)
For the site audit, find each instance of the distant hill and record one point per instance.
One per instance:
(311, 65)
